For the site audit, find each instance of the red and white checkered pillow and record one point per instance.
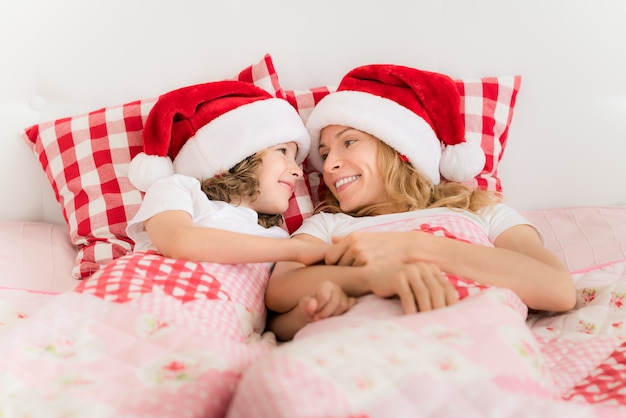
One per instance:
(487, 105)
(300, 207)
(86, 158)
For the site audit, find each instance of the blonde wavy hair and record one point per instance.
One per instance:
(240, 182)
(408, 189)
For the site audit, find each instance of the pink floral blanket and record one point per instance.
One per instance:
(128, 342)
(481, 357)
(146, 336)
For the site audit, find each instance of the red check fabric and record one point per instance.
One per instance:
(606, 384)
(487, 106)
(210, 298)
(86, 157)
(263, 75)
(86, 160)
(139, 273)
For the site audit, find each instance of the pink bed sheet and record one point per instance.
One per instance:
(583, 237)
(36, 255)
(143, 346)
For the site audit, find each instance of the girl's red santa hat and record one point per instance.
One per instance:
(418, 113)
(206, 129)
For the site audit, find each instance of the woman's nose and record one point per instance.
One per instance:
(331, 163)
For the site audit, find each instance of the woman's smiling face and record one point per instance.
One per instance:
(351, 170)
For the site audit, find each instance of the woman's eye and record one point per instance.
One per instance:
(349, 142)
(323, 155)
(283, 150)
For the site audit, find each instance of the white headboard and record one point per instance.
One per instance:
(567, 142)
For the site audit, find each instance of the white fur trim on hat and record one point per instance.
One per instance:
(144, 170)
(392, 123)
(461, 161)
(235, 135)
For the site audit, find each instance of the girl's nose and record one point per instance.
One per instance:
(296, 170)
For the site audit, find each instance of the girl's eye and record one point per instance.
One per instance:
(323, 155)
(349, 142)
(282, 149)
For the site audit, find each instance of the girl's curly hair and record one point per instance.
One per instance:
(238, 183)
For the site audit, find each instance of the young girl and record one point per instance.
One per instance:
(218, 157)
(172, 326)
(219, 165)
(390, 143)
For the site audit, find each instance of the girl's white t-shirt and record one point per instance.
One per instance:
(482, 228)
(180, 192)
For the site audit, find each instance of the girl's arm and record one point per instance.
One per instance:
(175, 236)
(519, 261)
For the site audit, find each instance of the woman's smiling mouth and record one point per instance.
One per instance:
(345, 180)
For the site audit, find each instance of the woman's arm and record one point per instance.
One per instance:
(420, 286)
(291, 281)
(175, 235)
(519, 261)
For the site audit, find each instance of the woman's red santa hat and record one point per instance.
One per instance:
(206, 129)
(418, 113)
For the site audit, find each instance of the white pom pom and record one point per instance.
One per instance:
(461, 162)
(145, 170)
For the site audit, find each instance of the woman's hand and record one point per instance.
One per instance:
(362, 248)
(385, 258)
(420, 286)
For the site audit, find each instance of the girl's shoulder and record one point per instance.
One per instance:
(175, 185)
(180, 180)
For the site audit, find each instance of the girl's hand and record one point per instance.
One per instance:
(420, 286)
(329, 300)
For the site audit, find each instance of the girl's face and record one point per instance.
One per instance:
(351, 170)
(277, 177)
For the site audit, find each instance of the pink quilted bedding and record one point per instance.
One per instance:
(78, 354)
(146, 336)
(482, 357)
(132, 342)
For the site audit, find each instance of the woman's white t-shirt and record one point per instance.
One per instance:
(482, 228)
(179, 192)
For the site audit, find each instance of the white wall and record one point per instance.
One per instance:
(567, 142)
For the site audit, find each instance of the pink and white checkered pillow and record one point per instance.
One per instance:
(487, 105)
(86, 157)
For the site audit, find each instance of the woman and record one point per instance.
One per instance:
(390, 143)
